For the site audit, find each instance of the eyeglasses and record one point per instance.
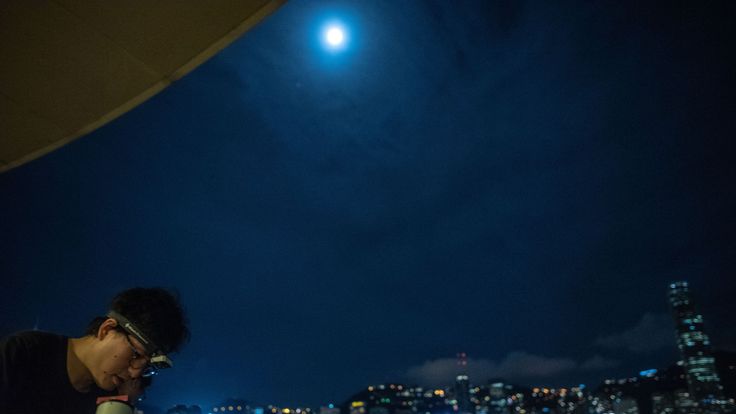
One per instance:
(138, 360)
(155, 359)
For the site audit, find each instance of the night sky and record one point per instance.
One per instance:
(515, 180)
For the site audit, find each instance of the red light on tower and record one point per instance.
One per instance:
(462, 359)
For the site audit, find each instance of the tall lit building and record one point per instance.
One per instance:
(462, 386)
(462, 394)
(702, 378)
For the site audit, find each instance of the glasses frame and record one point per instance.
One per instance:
(146, 368)
(136, 355)
(155, 359)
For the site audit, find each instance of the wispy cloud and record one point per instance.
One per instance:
(652, 332)
(598, 362)
(515, 366)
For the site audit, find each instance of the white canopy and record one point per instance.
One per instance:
(70, 66)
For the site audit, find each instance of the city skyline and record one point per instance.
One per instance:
(684, 313)
(448, 395)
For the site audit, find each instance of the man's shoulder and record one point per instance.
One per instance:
(23, 347)
(33, 373)
(32, 339)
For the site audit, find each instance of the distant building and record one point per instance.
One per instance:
(497, 398)
(625, 405)
(378, 410)
(663, 403)
(183, 409)
(235, 406)
(684, 403)
(358, 407)
(330, 409)
(700, 370)
(462, 395)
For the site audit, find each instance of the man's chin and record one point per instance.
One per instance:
(108, 384)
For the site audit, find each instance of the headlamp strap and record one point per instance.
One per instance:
(151, 348)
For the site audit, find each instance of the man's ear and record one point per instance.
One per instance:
(106, 327)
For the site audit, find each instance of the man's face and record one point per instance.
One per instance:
(119, 357)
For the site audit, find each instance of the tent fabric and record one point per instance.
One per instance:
(71, 66)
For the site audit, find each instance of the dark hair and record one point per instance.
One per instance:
(155, 311)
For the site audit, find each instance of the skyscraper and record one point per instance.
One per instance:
(462, 386)
(462, 394)
(702, 378)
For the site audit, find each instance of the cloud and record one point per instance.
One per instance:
(524, 365)
(517, 365)
(652, 332)
(440, 371)
(598, 362)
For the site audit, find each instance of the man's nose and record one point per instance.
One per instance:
(135, 372)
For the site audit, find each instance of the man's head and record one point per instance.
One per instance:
(119, 352)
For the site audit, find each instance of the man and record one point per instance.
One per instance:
(42, 372)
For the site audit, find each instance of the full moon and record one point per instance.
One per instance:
(335, 36)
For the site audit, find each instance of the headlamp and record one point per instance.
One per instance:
(158, 359)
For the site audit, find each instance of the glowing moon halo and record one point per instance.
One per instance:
(335, 36)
